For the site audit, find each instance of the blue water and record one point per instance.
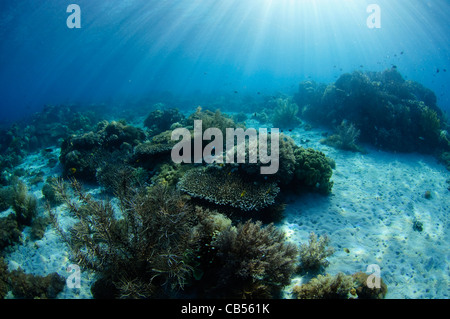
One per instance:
(135, 48)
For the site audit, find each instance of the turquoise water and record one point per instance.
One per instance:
(77, 99)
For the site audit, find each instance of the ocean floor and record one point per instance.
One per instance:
(375, 200)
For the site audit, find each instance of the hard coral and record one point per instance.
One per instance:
(29, 286)
(225, 186)
(159, 121)
(312, 170)
(285, 114)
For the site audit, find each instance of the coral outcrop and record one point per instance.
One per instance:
(390, 112)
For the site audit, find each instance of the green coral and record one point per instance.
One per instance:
(4, 287)
(364, 292)
(312, 170)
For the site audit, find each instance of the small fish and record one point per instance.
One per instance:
(258, 93)
(235, 92)
(421, 138)
(394, 66)
(401, 52)
(437, 70)
(243, 193)
(73, 170)
(48, 150)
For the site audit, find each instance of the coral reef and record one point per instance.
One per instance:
(153, 152)
(225, 186)
(390, 112)
(254, 261)
(49, 193)
(340, 286)
(313, 255)
(211, 119)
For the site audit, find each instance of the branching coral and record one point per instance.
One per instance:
(254, 261)
(225, 186)
(143, 253)
(326, 287)
(313, 255)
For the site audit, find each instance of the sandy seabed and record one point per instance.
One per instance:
(369, 219)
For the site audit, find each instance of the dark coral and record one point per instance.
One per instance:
(10, 232)
(313, 255)
(253, 261)
(364, 292)
(28, 286)
(142, 254)
(390, 112)
(112, 142)
(159, 121)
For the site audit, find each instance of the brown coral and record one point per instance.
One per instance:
(225, 186)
